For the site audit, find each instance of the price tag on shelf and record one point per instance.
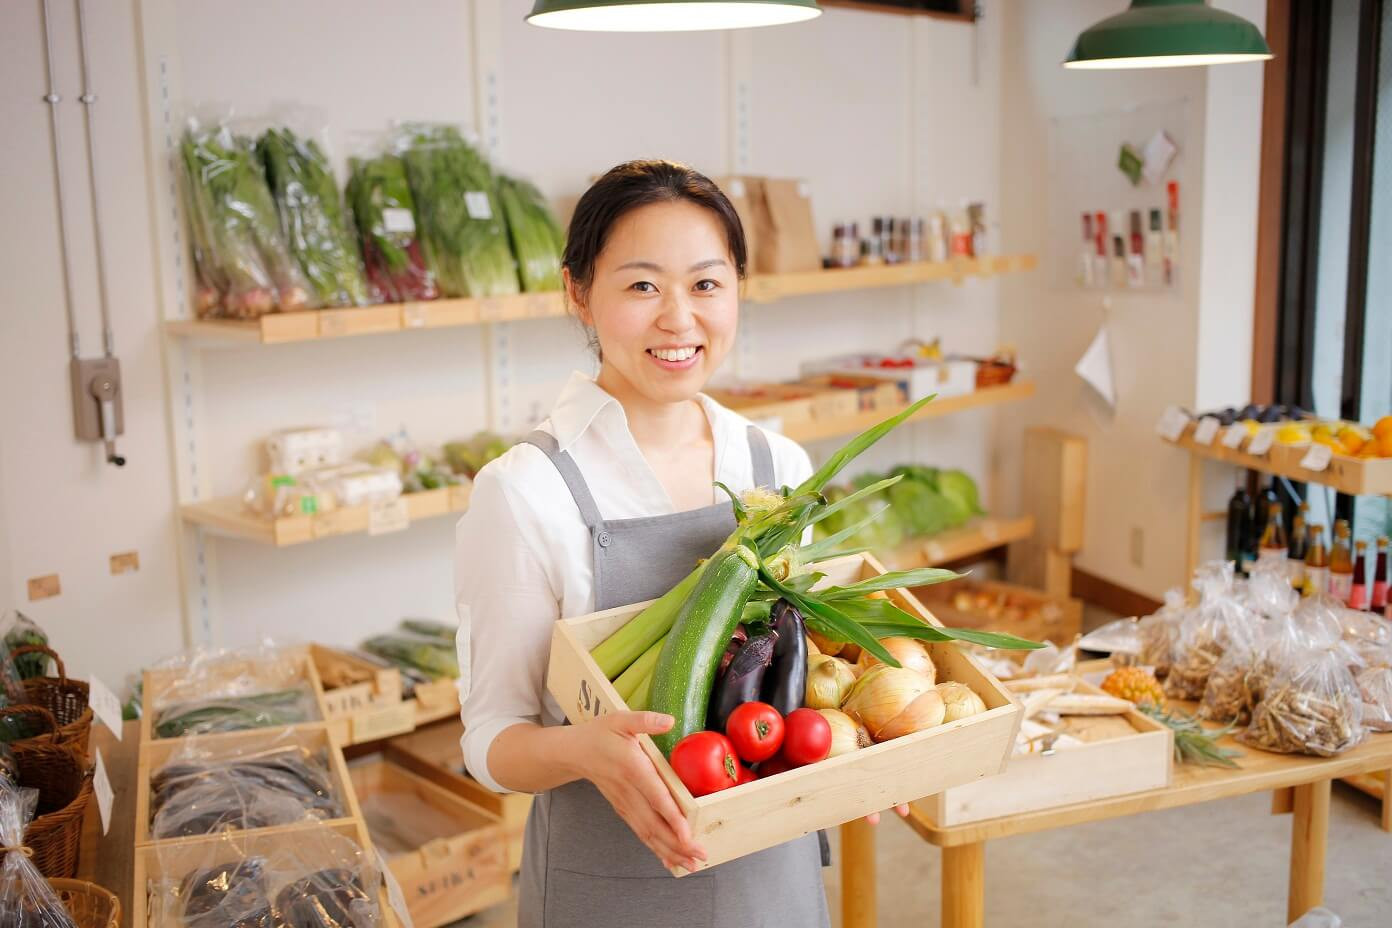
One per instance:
(1261, 442)
(1317, 458)
(1172, 424)
(105, 706)
(1206, 430)
(490, 309)
(391, 516)
(414, 315)
(101, 787)
(1233, 436)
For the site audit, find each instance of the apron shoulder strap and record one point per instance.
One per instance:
(761, 457)
(570, 473)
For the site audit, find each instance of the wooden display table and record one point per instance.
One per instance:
(964, 847)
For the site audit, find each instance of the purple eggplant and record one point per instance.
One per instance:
(742, 679)
(785, 685)
(736, 642)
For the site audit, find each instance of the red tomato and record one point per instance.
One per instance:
(756, 731)
(806, 737)
(774, 766)
(705, 761)
(745, 775)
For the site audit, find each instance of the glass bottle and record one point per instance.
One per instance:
(1299, 541)
(1358, 591)
(1238, 524)
(1274, 548)
(1341, 563)
(1378, 601)
(1317, 564)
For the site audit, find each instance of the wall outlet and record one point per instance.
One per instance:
(1137, 546)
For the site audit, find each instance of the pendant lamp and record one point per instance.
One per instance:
(668, 15)
(1168, 34)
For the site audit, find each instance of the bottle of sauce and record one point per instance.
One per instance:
(1317, 564)
(1299, 541)
(1238, 524)
(1274, 548)
(1378, 600)
(1358, 591)
(1341, 563)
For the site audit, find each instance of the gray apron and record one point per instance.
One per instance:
(582, 866)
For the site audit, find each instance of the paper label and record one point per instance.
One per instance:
(1172, 424)
(105, 706)
(1232, 438)
(396, 219)
(803, 190)
(1206, 430)
(476, 202)
(414, 315)
(1340, 586)
(390, 516)
(395, 898)
(1317, 458)
(737, 188)
(101, 786)
(1261, 442)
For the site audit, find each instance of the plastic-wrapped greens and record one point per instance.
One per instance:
(537, 239)
(26, 899)
(235, 713)
(458, 216)
(312, 877)
(385, 212)
(204, 790)
(434, 657)
(19, 631)
(214, 691)
(312, 217)
(244, 267)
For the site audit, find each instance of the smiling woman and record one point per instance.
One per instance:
(610, 502)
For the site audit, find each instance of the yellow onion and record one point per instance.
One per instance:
(829, 679)
(894, 701)
(849, 652)
(812, 648)
(824, 644)
(909, 652)
(961, 700)
(847, 735)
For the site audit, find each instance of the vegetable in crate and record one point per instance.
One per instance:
(434, 657)
(385, 212)
(312, 217)
(234, 713)
(785, 685)
(756, 731)
(333, 898)
(458, 217)
(22, 631)
(227, 895)
(194, 796)
(705, 761)
(236, 231)
(537, 240)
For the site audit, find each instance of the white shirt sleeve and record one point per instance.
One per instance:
(507, 608)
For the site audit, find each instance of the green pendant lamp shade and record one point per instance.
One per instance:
(668, 15)
(1168, 34)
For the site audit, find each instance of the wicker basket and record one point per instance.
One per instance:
(89, 905)
(66, 699)
(59, 771)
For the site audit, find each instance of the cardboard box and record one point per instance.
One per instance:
(786, 231)
(748, 818)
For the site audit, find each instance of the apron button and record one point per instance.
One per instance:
(603, 539)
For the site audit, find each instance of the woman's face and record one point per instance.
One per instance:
(664, 300)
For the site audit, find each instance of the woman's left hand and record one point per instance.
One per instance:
(874, 817)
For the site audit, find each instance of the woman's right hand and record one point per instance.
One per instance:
(616, 765)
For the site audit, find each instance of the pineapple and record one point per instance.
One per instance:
(1136, 685)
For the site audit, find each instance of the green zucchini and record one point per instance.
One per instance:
(689, 659)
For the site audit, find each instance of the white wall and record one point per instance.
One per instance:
(880, 113)
(1170, 348)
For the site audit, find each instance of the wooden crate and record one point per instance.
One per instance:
(765, 401)
(449, 855)
(739, 821)
(362, 701)
(158, 683)
(1133, 758)
(1059, 618)
(435, 701)
(434, 753)
(871, 393)
(1357, 476)
(153, 862)
(317, 738)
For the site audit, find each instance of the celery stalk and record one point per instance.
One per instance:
(639, 702)
(628, 681)
(615, 653)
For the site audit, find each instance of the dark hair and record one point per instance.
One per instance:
(638, 183)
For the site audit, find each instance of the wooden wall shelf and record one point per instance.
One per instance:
(819, 429)
(228, 516)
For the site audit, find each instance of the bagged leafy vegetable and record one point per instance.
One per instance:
(21, 631)
(430, 629)
(243, 264)
(215, 690)
(235, 713)
(26, 899)
(312, 217)
(385, 212)
(537, 239)
(459, 219)
(435, 657)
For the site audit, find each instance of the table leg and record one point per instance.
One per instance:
(1309, 837)
(858, 903)
(1387, 800)
(964, 886)
(1282, 800)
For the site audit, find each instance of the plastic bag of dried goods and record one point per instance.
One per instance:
(1311, 705)
(26, 899)
(1204, 633)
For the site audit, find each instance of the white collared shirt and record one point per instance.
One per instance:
(523, 558)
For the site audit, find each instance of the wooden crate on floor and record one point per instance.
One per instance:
(434, 753)
(448, 854)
